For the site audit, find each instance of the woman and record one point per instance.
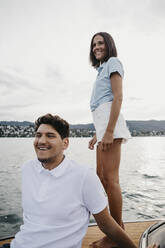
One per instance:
(111, 129)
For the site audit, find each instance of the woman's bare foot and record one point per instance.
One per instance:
(105, 242)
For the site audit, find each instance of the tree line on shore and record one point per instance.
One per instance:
(137, 128)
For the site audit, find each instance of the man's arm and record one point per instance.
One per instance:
(113, 231)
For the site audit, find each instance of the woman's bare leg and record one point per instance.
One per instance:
(99, 168)
(108, 171)
(109, 161)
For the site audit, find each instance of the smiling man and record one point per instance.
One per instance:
(58, 195)
(50, 144)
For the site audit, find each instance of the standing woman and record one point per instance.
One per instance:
(111, 129)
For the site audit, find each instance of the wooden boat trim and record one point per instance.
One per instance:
(6, 238)
(131, 221)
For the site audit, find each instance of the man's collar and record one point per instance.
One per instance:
(56, 172)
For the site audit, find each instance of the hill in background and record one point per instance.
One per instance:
(143, 126)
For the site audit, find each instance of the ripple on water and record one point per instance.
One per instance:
(137, 196)
(161, 205)
(10, 218)
(146, 176)
(9, 225)
(145, 216)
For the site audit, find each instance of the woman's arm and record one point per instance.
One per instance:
(116, 84)
(154, 246)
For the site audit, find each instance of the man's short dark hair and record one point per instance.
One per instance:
(60, 125)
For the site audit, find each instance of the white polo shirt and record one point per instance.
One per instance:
(57, 205)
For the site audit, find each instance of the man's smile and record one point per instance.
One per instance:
(43, 148)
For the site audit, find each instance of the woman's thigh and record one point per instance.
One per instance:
(109, 160)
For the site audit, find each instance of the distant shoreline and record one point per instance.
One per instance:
(136, 128)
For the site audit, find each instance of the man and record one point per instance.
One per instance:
(58, 195)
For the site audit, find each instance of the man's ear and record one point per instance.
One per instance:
(66, 143)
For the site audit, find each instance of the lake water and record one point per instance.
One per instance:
(142, 177)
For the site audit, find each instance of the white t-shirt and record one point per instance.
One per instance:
(57, 205)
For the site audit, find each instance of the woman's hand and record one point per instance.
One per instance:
(92, 142)
(107, 141)
(154, 246)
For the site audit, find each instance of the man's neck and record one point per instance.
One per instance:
(54, 164)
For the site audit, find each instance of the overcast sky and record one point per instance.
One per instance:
(44, 56)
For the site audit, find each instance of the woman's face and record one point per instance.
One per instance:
(99, 48)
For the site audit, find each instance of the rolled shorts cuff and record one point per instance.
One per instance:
(101, 119)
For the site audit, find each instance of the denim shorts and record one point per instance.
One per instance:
(101, 118)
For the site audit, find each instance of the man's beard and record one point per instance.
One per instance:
(45, 160)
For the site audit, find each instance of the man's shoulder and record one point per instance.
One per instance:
(79, 172)
(78, 167)
(29, 164)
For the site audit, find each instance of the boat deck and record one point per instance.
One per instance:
(134, 230)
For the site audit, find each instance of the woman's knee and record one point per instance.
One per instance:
(111, 182)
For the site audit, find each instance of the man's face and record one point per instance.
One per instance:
(48, 144)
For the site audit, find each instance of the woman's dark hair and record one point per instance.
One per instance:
(110, 47)
(60, 125)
